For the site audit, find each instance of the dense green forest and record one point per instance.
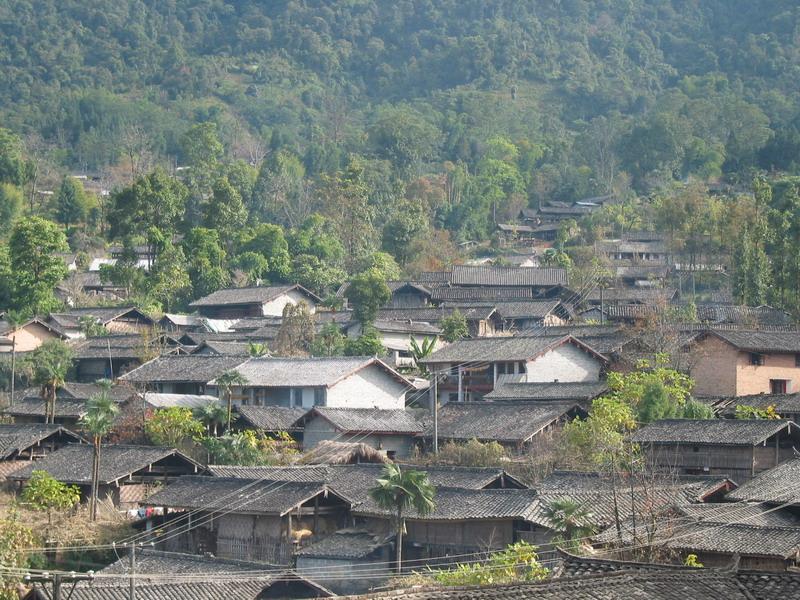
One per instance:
(309, 140)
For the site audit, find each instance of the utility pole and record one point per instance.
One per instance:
(436, 413)
(58, 580)
(13, 368)
(132, 580)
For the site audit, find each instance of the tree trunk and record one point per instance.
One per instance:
(399, 539)
(95, 477)
(228, 395)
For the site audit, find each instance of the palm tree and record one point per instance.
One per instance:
(225, 383)
(98, 420)
(570, 520)
(422, 351)
(212, 415)
(399, 491)
(49, 364)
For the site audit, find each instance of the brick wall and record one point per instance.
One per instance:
(754, 379)
(714, 369)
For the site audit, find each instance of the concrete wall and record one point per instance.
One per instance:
(714, 368)
(28, 338)
(567, 363)
(371, 387)
(275, 307)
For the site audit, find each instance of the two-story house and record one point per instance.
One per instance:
(259, 301)
(470, 368)
(739, 363)
(343, 382)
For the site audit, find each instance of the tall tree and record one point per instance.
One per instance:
(98, 421)
(71, 202)
(155, 200)
(400, 491)
(225, 384)
(36, 267)
(12, 163)
(11, 203)
(368, 292)
(49, 365)
(296, 333)
(225, 211)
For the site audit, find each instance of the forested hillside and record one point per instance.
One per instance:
(405, 126)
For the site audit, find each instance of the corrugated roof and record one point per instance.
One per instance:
(73, 463)
(502, 422)
(516, 276)
(726, 432)
(249, 295)
(269, 418)
(245, 496)
(308, 372)
(580, 391)
(188, 368)
(368, 419)
(16, 437)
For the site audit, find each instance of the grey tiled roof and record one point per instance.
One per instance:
(299, 474)
(269, 418)
(344, 544)
(778, 542)
(482, 293)
(162, 564)
(73, 463)
(516, 276)
(247, 295)
(517, 348)
(548, 391)
(71, 319)
(699, 584)
(768, 586)
(536, 309)
(241, 495)
(369, 419)
(515, 422)
(643, 295)
(456, 504)
(777, 485)
(433, 314)
(192, 368)
(65, 408)
(758, 514)
(118, 346)
(307, 372)
(727, 432)
(223, 348)
(759, 341)
(16, 437)
(419, 327)
(247, 589)
(783, 403)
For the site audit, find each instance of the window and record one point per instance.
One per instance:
(756, 359)
(319, 396)
(777, 386)
(797, 360)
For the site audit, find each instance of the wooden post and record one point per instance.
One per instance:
(436, 413)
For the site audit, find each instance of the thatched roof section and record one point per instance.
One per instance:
(342, 453)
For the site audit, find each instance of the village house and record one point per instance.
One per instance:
(786, 406)
(181, 374)
(600, 296)
(108, 357)
(269, 419)
(516, 425)
(115, 320)
(163, 575)
(740, 363)
(408, 294)
(27, 336)
(736, 448)
(481, 294)
(396, 337)
(471, 368)
(343, 382)
(393, 431)
(360, 560)
(254, 301)
(264, 525)
(544, 282)
(71, 399)
(482, 321)
(527, 315)
(22, 443)
(128, 474)
(634, 252)
(778, 486)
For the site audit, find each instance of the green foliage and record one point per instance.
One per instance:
(71, 203)
(367, 344)
(571, 521)
(694, 409)
(101, 410)
(256, 349)
(13, 169)
(251, 448)
(269, 241)
(599, 439)
(45, 493)
(518, 563)
(472, 453)
(368, 292)
(172, 427)
(691, 561)
(454, 327)
(423, 350)
(329, 341)
(225, 211)
(154, 200)
(206, 261)
(745, 411)
(35, 266)
(212, 415)
(11, 203)
(16, 539)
